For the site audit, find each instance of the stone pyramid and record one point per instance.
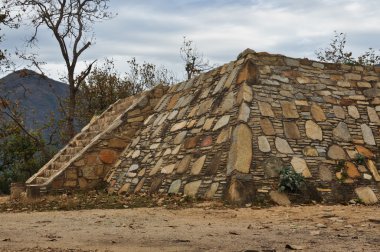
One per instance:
(227, 133)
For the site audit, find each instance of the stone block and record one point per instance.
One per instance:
(280, 198)
(191, 189)
(240, 154)
(366, 195)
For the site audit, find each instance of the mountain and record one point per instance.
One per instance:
(38, 96)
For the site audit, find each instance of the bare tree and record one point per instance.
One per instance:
(336, 52)
(70, 22)
(195, 62)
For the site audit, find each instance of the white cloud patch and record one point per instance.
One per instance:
(152, 30)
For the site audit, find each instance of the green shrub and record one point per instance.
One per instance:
(290, 180)
(359, 159)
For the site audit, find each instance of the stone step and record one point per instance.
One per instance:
(49, 172)
(41, 180)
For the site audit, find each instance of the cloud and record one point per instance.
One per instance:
(152, 30)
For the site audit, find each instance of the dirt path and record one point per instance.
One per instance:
(311, 228)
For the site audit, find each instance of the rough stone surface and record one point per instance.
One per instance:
(263, 143)
(222, 122)
(342, 133)
(272, 167)
(279, 198)
(175, 186)
(289, 110)
(291, 130)
(191, 188)
(313, 131)
(183, 166)
(367, 135)
(366, 195)
(108, 156)
(325, 173)
(317, 113)
(353, 112)
(336, 152)
(240, 154)
(283, 146)
(198, 165)
(267, 127)
(300, 166)
(266, 109)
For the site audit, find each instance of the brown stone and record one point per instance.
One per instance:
(373, 116)
(283, 146)
(83, 183)
(108, 156)
(325, 173)
(156, 184)
(279, 198)
(289, 110)
(208, 123)
(317, 113)
(366, 195)
(183, 166)
(191, 142)
(240, 154)
(173, 101)
(223, 121)
(139, 185)
(224, 135)
(124, 189)
(205, 107)
(291, 130)
(352, 171)
(267, 127)
(300, 166)
(247, 74)
(372, 167)
(266, 109)
(211, 192)
(207, 141)
(214, 164)
(191, 188)
(157, 167)
(353, 112)
(367, 134)
(310, 151)
(245, 94)
(70, 183)
(180, 137)
(117, 143)
(313, 131)
(93, 159)
(168, 169)
(336, 152)
(364, 151)
(71, 174)
(198, 165)
(227, 104)
(339, 112)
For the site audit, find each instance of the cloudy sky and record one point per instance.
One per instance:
(152, 30)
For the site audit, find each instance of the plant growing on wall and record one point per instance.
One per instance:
(290, 180)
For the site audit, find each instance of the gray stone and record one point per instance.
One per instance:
(353, 112)
(367, 135)
(191, 188)
(222, 122)
(336, 152)
(272, 167)
(198, 165)
(245, 94)
(300, 166)
(175, 186)
(157, 167)
(263, 144)
(204, 107)
(266, 109)
(240, 154)
(366, 195)
(342, 133)
(313, 131)
(283, 146)
(280, 198)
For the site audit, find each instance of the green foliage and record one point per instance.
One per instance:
(359, 159)
(336, 53)
(290, 180)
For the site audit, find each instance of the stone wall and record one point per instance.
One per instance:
(227, 133)
(88, 168)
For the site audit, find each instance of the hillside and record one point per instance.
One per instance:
(37, 95)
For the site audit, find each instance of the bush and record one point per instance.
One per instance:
(290, 180)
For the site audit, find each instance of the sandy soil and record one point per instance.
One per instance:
(310, 228)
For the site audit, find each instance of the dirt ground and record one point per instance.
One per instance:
(201, 228)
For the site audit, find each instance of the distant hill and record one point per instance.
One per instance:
(37, 95)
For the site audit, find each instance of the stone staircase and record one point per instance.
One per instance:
(97, 125)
